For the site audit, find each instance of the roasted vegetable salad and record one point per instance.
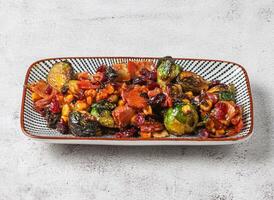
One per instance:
(136, 99)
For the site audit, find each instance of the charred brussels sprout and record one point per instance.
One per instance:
(192, 82)
(167, 70)
(83, 125)
(181, 119)
(226, 93)
(102, 111)
(60, 74)
(52, 118)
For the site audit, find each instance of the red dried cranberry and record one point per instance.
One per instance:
(159, 99)
(220, 111)
(203, 133)
(80, 95)
(62, 127)
(48, 90)
(101, 69)
(214, 83)
(139, 119)
(139, 81)
(126, 133)
(152, 85)
(55, 106)
(148, 75)
(212, 97)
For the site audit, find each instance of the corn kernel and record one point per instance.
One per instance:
(145, 135)
(68, 98)
(35, 97)
(65, 110)
(186, 109)
(90, 93)
(189, 94)
(206, 106)
(64, 118)
(185, 101)
(147, 110)
(121, 103)
(220, 132)
(89, 100)
(80, 106)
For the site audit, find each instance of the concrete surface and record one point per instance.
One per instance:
(240, 31)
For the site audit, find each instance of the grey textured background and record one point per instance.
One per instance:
(240, 31)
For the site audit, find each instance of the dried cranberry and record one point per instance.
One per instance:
(149, 75)
(64, 89)
(55, 106)
(212, 97)
(152, 85)
(157, 100)
(214, 83)
(139, 119)
(203, 133)
(48, 90)
(139, 81)
(62, 127)
(126, 133)
(80, 95)
(101, 69)
(143, 94)
(220, 111)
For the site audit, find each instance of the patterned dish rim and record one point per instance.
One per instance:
(72, 139)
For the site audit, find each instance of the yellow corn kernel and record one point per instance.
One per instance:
(121, 103)
(186, 109)
(113, 98)
(90, 93)
(80, 106)
(65, 110)
(206, 106)
(185, 101)
(189, 94)
(147, 110)
(73, 86)
(65, 119)
(161, 134)
(35, 97)
(220, 132)
(68, 98)
(145, 135)
(89, 100)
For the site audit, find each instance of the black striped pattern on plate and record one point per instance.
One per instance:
(227, 72)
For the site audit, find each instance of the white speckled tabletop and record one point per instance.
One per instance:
(240, 31)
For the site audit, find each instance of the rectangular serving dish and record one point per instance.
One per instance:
(34, 126)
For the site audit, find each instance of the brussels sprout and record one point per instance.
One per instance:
(60, 74)
(82, 124)
(102, 112)
(225, 92)
(181, 119)
(167, 70)
(192, 82)
(52, 118)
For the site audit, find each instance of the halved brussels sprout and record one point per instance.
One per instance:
(181, 119)
(102, 112)
(226, 93)
(167, 70)
(192, 82)
(60, 74)
(83, 125)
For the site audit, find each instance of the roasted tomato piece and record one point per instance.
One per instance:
(122, 115)
(134, 98)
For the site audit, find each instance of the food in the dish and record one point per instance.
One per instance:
(136, 99)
